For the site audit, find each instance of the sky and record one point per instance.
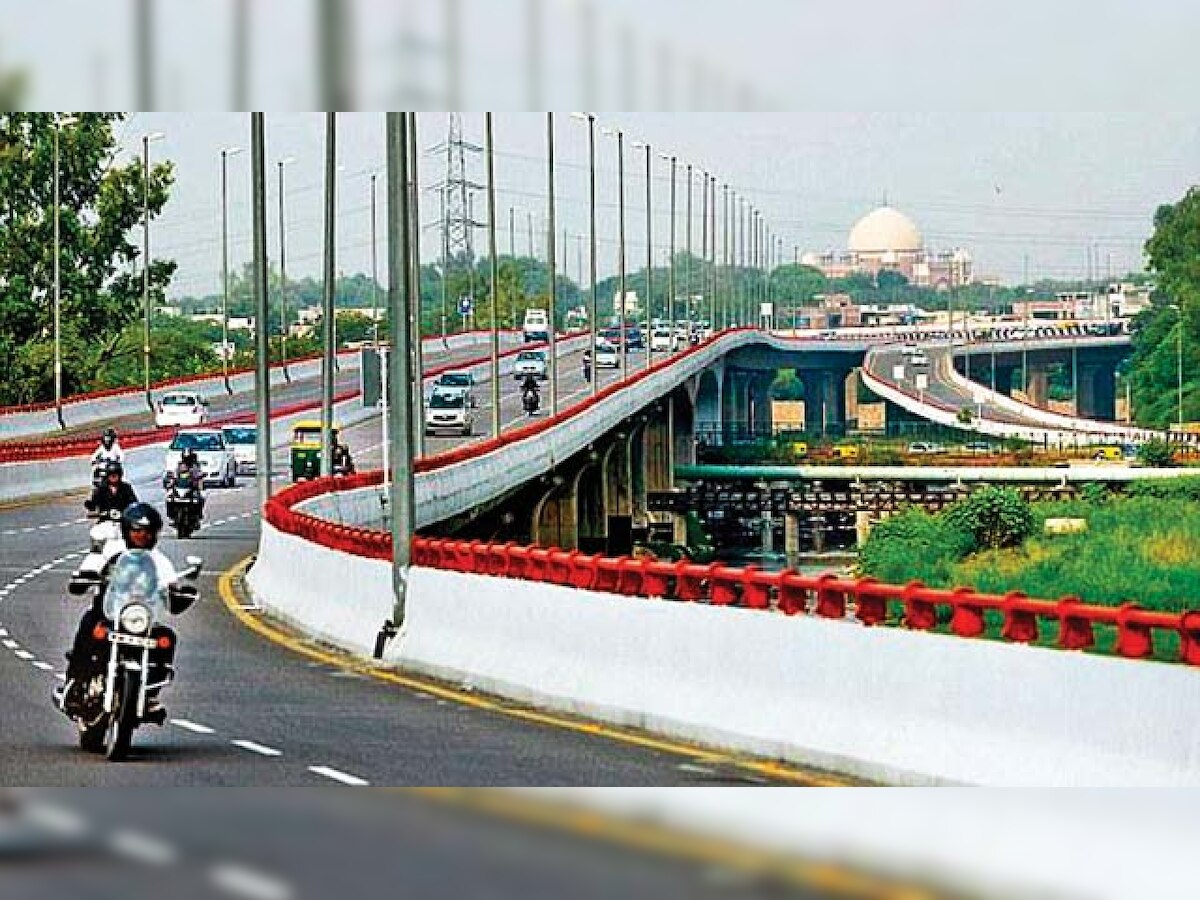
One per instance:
(1039, 189)
(1045, 189)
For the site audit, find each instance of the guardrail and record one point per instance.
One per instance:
(962, 611)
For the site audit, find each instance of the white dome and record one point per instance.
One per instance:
(885, 231)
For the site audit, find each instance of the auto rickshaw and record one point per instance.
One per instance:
(306, 448)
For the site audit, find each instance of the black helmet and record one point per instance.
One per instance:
(109, 437)
(114, 467)
(142, 517)
(189, 457)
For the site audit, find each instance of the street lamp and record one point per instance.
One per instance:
(590, 119)
(643, 145)
(59, 122)
(225, 154)
(283, 317)
(147, 139)
(674, 160)
(620, 136)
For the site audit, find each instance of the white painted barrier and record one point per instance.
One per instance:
(882, 704)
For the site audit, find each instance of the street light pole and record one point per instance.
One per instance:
(552, 262)
(495, 272)
(328, 312)
(283, 317)
(225, 154)
(671, 261)
(590, 119)
(687, 267)
(146, 139)
(58, 381)
(262, 334)
(649, 247)
(621, 287)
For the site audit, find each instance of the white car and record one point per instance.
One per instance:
(216, 457)
(449, 412)
(661, 340)
(531, 362)
(182, 409)
(243, 440)
(607, 356)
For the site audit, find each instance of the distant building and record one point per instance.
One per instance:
(632, 305)
(1118, 301)
(886, 240)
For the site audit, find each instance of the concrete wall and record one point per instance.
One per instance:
(883, 704)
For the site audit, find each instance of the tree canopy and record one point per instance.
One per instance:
(101, 202)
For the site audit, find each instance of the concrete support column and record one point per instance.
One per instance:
(850, 386)
(1098, 393)
(555, 517)
(760, 402)
(657, 454)
(1006, 379)
(637, 473)
(791, 539)
(591, 519)
(1038, 387)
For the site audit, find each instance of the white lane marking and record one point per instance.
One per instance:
(24, 654)
(695, 770)
(3, 632)
(243, 882)
(142, 848)
(194, 727)
(44, 666)
(335, 775)
(260, 749)
(11, 645)
(57, 819)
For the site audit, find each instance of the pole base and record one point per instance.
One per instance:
(386, 633)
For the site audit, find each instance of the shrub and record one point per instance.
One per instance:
(995, 517)
(913, 544)
(1156, 454)
(966, 415)
(1187, 489)
(1095, 494)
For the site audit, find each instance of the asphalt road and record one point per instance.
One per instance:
(289, 845)
(247, 712)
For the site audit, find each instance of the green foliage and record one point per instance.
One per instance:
(1185, 490)
(1095, 494)
(787, 386)
(995, 517)
(966, 415)
(181, 347)
(914, 545)
(1156, 454)
(797, 284)
(101, 270)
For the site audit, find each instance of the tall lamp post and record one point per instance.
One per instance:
(283, 284)
(643, 145)
(674, 160)
(621, 305)
(226, 152)
(59, 122)
(590, 119)
(147, 139)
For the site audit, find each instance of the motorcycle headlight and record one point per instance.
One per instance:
(135, 618)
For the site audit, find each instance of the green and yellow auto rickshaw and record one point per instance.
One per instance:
(306, 448)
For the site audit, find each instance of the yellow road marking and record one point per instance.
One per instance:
(767, 768)
(652, 838)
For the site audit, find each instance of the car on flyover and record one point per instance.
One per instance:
(243, 440)
(447, 412)
(216, 457)
(607, 356)
(181, 409)
(459, 382)
(531, 362)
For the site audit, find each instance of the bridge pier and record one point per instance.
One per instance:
(735, 396)
(1037, 388)
(555, 518)
(760, 402)
(1006, 379)
(825, 401)
(1097, 393)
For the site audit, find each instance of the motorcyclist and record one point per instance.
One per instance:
(343, 464)
(189, 466)
(113, 492)
(109, 449)
(140, 528)
(531, 396)
(587, 366)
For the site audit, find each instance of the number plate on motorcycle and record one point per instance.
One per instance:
(130, 641)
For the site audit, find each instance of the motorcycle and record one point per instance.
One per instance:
(185, 504)
(111, 704)
(532, 402)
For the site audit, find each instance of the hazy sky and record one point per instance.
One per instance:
(1006, 186)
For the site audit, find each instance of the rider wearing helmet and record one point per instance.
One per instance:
(109, 449)
(189, 465)
(141, 525)
(113, 492)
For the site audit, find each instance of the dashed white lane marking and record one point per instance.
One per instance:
(335, 775)
(24, 654)
(194, 727)
(253, 747)
(244, 882)
(11, 645)
(142, 848)
(44, 666)
(3, 632)
(695, 770)
(59, 820)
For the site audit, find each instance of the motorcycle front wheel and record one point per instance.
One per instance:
(123, 721)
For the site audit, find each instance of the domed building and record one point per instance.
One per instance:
(888, 240)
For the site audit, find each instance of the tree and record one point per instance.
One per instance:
(101, 280)
(796, 286)
(181, 347)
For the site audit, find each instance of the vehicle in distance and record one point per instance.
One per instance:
(182, 409)
(215, 456)
(449, 412)
(536, 327)
(607, 356)
(661, 340)
(978, 447)
(919, 360)
(531, 362)
(457, 382)
(243, 440)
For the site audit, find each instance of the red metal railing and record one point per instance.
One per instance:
(962, 611)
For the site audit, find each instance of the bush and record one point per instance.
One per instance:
(1156, 454)
(1095, 494)
(995, 517)
(1186, 489)
(913, 544)
(966, 415)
